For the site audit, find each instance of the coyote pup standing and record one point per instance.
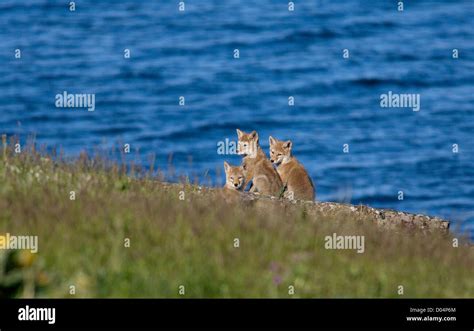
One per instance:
(293, 174)
(256, 166)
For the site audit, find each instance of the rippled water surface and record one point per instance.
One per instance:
(282, 54)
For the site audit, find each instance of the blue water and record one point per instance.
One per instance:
(282, 54)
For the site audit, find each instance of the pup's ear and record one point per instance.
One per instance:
(226, 167)
(239, 133)
(254, 135)
(271, 140)
(288, 144)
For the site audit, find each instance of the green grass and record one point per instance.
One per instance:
(190, 242)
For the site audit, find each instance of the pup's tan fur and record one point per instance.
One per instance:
(234, 177)
(298, 183)
(257, 167)
(234, 183)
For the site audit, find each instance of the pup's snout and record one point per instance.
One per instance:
(272, 161)
(235, 184)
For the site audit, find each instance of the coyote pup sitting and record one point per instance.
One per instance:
(298, 183)
(234, 177)
(265, 179)
(234, 183)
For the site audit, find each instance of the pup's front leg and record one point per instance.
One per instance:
(253, 188)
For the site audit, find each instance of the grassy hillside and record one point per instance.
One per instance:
(186, 235)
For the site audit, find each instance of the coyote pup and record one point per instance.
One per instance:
(234, 184)
(257, 167)
(234, 177)
(293, 174)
